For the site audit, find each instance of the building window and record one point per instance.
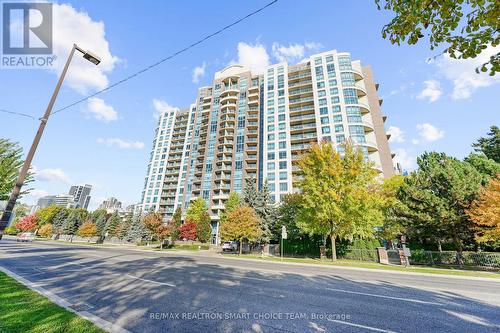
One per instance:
(282, 154)
(317, 61)
(340, 138)
(325, 130)
(238, 165)
(339, 128)
(320, 85)
(324, 120)
(282, 165)
(283, 186)
(283, 175)
(270, 156)
(282, 145)
(337, 118)
(270, 166)
(323, 110)
(270, 176)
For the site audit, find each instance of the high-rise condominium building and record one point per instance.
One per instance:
(249, 125)
(111, 204)
(81, 195)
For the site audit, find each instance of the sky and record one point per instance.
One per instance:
(432, 105)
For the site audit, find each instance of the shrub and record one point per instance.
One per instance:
(10, 231)
(87, 229)
(45, 230)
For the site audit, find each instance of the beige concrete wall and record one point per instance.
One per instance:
(378, 123)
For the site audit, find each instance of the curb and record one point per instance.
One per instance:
(461, 277)
(99, 322)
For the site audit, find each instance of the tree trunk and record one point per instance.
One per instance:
(440, 249)
(241, 247)
(334, 247)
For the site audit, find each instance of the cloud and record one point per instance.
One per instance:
(429, 132)
(51, 175)
(122, 144)
(415, 141)
(198, 72)
(101, 111)
(396, 133)
(461, 72)
(402, 157)
(72, 26)
(254, 57)
(161, 107)
(293, 52)
(37, 194)
(432, 91)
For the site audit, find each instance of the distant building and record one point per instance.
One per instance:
(63, 200)
(111, 205)
(81, 195)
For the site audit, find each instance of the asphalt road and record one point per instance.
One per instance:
(182, 292)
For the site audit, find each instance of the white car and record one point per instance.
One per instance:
(25, 237)
(230, 246)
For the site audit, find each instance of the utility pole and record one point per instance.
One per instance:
(43, 122)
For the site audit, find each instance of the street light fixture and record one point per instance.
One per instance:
(43, 121)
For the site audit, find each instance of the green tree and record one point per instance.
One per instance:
(288, 213)
(75, 219)
(100, 217)
(10, 163)
(204, 228)
(465, 28)
(231, 204)
(196, 210)
(137, 231)
(113, 225)
(46, 215)
(175, 225)
(392, 225)
(338, 199)
(260, 202)
(487, 167)
(490, 145)
(20, 211)
(58, 221)
(436, 197)
(241, 224)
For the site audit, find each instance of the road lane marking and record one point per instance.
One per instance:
(151, 281)
(383, 296)
(361, 326)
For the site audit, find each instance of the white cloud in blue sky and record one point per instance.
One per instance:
(101, 111)
(199, 71)
(432, 91)
(429, 132)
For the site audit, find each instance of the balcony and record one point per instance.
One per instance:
(300, 83)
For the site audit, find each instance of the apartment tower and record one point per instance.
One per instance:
(249, 125)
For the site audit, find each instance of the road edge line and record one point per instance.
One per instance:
(98, 321)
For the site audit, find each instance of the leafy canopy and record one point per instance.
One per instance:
(465, 27)
(338, 196)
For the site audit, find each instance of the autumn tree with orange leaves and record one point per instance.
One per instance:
(485, 212)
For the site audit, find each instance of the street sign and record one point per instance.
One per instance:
(284, 234)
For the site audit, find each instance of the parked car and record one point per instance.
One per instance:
(25, 237)
(230, 246)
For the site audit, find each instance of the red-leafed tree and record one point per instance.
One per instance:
(27, 223)
(188, 230)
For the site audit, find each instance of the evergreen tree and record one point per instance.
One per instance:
(113, 225)
(490, 145)
(250, 193)
(175, 224)
(137, 232)
(74, 220)
(99, 217)
(58, 221)
(259, 201)
(436, 198)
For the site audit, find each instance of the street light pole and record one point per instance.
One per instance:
(43, 122)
